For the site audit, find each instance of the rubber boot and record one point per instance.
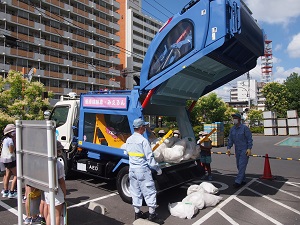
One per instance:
(140, 215)
(155, 219)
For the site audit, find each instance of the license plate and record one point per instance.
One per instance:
(81, 167)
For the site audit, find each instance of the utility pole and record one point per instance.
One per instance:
(248, 93)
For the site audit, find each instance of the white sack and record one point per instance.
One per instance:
(196, 199)
(209, 187)
(182, 210)
(157, 153)
(190, 147)
(174, 154)
(196, 153)
(210, 199)
(171, 141)
(194, 188)
(158, 156)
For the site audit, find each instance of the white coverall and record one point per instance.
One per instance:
(141, 162)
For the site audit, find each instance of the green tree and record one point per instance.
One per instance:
(277, 96)
(255, 117)
(211, 108)
(21, 99)
(292, 84)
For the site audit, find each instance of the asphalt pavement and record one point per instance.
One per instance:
(260, 201)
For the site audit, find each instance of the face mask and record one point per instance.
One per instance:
(176, 135)
(235, 121)
(13, 133)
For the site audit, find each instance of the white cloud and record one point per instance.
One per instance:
(276, 60)
(275, 11)
(278, 47)
(293, 48)
(281, 73)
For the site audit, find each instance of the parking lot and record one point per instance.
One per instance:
(260, 201)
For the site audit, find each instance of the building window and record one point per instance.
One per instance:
(22, 62)
(54, 24)
(55, 10)
(23, 14)
(54, 68)
(23, 30)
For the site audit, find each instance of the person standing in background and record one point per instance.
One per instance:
(8, 158)
(241, 137)
(61, 194)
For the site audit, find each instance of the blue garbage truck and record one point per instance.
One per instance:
(204, 46)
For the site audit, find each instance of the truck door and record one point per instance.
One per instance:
(64, 114)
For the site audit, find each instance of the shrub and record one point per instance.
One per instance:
(257, 130)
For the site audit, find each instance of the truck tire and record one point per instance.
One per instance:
(122, 183)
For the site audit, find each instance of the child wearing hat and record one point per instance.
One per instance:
(8, 158)
(205, 154)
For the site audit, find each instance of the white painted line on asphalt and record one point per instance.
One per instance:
(275, 201)
(281, 141)
(92, 200)
(294, 184)
(228, 218)
(283, 191)
(222, 204)
(258, 211)
(10, 209)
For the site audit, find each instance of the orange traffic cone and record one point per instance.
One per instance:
(267, 169)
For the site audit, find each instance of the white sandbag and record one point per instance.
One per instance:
(196, 198)
(182, 210)
(194, 188)
(190, 147)
(171, 141)
(158, 156)
(173, 155)
(196, 153)
(209, 187)
(210, 199)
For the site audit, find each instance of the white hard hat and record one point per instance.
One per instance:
(176, 132)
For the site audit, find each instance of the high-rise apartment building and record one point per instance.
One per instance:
(249, 91)
(70, 43)
(137, 32)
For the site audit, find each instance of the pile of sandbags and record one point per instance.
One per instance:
(174, 149)
(198, 197)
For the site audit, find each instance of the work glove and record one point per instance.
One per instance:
(159, 171)
(248, 152)
(228, 152)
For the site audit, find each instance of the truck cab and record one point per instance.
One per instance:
(65, 114)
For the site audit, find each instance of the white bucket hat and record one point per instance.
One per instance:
(9, 128)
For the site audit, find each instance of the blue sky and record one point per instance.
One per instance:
(280, 21)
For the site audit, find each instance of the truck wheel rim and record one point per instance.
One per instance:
(125, 185)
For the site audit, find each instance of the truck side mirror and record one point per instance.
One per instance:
(47, 114)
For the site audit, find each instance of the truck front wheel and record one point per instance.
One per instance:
(123, 184)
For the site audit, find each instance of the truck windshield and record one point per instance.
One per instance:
(60, 115)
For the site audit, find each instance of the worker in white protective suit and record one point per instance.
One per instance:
(141, 162)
